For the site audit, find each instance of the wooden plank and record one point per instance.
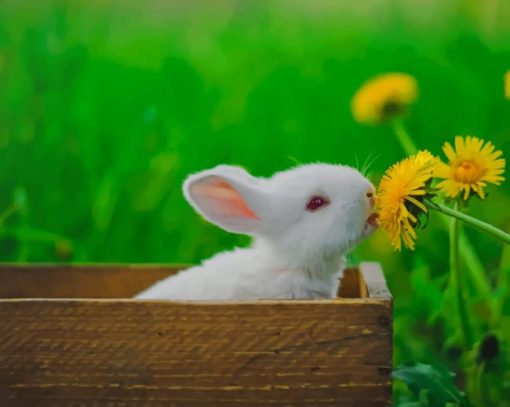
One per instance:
(124, 281)
(79, 280)
(323, 352)
(352, 284)
(374, 278)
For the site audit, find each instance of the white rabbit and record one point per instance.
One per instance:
(303, 221)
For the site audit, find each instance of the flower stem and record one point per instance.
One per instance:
(403, 137)
(455, 282)
(469, 220)
(473, 264)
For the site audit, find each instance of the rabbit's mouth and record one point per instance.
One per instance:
(371, 225)
(373, 220)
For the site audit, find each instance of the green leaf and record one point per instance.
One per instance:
(410, 404)
(436, 380)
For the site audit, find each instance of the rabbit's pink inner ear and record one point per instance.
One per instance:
(222, 198)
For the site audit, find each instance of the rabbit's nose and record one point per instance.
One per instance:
(371, 196)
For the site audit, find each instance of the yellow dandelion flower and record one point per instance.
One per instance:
(400, 197)
(472, 164)
(507, 84)
(384, 97)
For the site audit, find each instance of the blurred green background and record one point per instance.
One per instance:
(105, 106)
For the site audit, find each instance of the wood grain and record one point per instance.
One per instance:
(79, 280)
(95, 352)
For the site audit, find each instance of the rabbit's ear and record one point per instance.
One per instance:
(226, 196)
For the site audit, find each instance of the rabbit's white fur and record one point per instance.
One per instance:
(296, 253)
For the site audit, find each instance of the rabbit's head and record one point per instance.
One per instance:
(312, 211)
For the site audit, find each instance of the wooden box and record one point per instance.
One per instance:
(70, 336)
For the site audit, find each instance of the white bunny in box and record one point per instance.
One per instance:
(303, 221)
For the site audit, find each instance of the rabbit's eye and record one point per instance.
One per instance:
(316, 202)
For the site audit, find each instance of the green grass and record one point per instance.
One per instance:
(106, 106)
